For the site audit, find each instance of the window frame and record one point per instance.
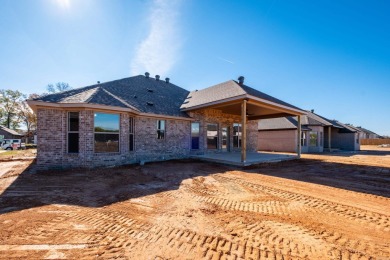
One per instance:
(310, 138)
(215, 136)
(238, 135)
(160, 130)
(97, 133)
(304, 138)
(68, 132)
(131, 134)
(198, 136)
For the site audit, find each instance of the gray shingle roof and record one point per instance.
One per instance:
(146, 95)
(226, 90)
(12, 132)
(310, 119)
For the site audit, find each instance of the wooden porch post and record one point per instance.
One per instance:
(329, 138)
(243, 131)
(299, 150)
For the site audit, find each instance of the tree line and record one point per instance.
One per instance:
(14, 110)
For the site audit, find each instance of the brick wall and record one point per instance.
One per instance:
(52, 141)
(52, 138)
(214, 116)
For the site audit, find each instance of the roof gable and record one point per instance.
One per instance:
(225, 91)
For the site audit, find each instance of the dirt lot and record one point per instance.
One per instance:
(322, 207)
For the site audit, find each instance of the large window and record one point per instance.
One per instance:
(237, 135)
(160, 129)
(303, 139)
(106, 133)
(212, 136)
(73, 132)
(195, 135)
(313, 138)
(131, 134)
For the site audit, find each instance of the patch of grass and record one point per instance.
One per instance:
(9, 153)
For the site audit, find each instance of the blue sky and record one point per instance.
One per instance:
(331, 56)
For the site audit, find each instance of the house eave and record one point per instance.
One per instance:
(36, 104)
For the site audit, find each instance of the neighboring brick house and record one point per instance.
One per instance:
(146, 119)
(318, 134)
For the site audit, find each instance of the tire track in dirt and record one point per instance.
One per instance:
(127, 237)
(305, 242)
(351, 213)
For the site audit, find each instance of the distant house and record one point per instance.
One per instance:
(365, 133)
(318, 134)
(147, 119)
(6, 133)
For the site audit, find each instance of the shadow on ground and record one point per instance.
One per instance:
(99, 187)
(105, 186)
(360, 178)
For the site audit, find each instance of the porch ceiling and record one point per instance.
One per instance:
(255, 110)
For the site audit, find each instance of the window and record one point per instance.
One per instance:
(321, 139)
(236, 135)
(160, 129)
(313, 138)
(131, 134)
(73, 132)
(303, 139)
(212, 136)
(194, 135)
(106, 133)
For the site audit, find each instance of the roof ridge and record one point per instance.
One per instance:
(119, 99)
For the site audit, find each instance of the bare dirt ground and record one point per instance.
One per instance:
(334, 206)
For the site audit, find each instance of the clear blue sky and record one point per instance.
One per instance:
(331, 56)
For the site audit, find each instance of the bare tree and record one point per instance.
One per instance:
(27, 116)
(10, 102)
(58, 87)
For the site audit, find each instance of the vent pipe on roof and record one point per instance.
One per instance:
(312, 110)
(167, 80)
(241, 80)
(98, 82)
(147, 75)
(157, 77)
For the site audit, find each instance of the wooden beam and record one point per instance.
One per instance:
(269, 116)
(243, 131)
(299, 148)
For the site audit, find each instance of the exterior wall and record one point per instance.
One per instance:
(52, 141)
(52, 138)
(344, 141)
(214, 116)
(175, 145)
(278, 141)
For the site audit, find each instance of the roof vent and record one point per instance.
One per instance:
(149, 103)
(241, 80)
(98, 82)
(312, 110)
(157, 77)
(135, 96)
(167, 80)
(150, 90)
(147, 75)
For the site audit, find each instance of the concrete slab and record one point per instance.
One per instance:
(234, 158)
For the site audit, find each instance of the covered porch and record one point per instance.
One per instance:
(252, 158)
(236, 100)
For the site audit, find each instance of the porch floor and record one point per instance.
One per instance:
(234, 158)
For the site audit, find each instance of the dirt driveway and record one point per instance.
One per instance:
(322, 207)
